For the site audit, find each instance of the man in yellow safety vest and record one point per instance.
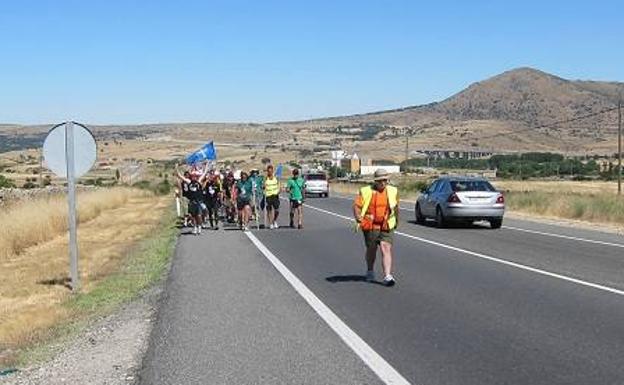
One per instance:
(271, 192)
(376, 211)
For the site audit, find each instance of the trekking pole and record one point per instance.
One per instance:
(256, 208)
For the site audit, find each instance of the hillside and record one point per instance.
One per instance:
(519, 110)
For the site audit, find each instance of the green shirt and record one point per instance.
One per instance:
(258, 183)
(295, 187)
(244, 189)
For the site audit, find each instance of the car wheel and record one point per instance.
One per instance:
(440, 220)
(496, 223)
(420, 219)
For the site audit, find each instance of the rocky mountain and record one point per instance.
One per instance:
(530, 96)
(519, 110)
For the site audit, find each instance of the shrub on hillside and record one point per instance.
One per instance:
(6, 182)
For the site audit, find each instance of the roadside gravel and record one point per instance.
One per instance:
(109, 351)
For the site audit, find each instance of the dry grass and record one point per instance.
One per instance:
(31, 223)
(34, 257)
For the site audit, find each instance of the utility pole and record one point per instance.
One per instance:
(407, 134)
(620, 146)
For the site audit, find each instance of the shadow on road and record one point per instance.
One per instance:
(349, 278)
(454, 225)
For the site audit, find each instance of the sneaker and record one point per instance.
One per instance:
(292, 225)
(245, 228)
(389, 280)
(199, 228)
(271, 227)
(370, 276)
(275, 225)
(300, 227)
(195, 230)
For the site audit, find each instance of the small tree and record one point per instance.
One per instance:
(6, 182)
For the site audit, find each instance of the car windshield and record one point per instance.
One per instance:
(316, 177)
(472, 185)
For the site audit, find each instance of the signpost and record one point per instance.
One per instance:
(69, 151)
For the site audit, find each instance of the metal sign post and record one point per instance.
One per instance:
(70, 151)
(71, 200)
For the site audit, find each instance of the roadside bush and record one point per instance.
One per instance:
(142, 184)
(162, 188)
(6, 182)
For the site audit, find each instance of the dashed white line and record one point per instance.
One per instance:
(565, 237)
(371, 358)
(492, 259)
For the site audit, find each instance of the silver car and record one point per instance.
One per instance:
(317, 184)
(461, 199)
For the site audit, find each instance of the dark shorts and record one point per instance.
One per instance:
(242, 202)
(212, 203)
(295, 203)
(273, 202)
(375, 237)
(194, 208)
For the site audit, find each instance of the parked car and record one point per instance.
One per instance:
(461, 199)
(317, 184)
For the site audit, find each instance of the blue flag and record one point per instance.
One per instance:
(278, 171)
(207, 152)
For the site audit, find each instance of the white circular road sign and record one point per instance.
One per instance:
(55, 149)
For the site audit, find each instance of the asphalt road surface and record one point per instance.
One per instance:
(526, 304)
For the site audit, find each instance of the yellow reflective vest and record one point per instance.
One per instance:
(271, 186)
(366, 193)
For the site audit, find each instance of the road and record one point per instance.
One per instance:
(527, 304)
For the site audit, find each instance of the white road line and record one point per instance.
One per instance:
(371, 358)
(493, 259)
(565, 237)
(547, 234)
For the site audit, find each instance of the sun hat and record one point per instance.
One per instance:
(381, 174)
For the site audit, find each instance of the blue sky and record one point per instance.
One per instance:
(124, 61)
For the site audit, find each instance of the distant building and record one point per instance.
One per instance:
(337, 156)
(351, 164)
(370, 170)
(452, 154)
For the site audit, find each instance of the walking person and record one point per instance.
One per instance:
(183, 187)
(212, 197)
(229, 195)
(257, 202)
(295, 187)
(195, 197)
(376, 211)
(243, 200)
(271, 192)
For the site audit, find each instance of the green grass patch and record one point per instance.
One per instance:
(144, 266)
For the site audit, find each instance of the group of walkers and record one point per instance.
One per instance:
(252, 195)
(249, 196)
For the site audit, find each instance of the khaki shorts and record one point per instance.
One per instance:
(375, 237)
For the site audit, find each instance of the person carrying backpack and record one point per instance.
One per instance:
(295, 187)
(376, 211)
